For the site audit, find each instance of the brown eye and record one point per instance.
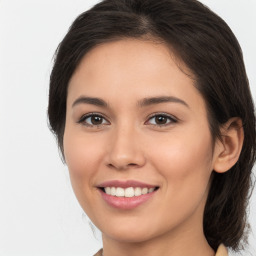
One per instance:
(93, 120)
(161, 120)
(96, 120)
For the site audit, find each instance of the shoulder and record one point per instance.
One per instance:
(222, 251)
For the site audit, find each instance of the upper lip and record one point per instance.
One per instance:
(125, 184)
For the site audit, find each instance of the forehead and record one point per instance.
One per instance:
(132, 52)
(132, 67)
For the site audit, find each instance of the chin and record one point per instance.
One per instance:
(129, 236)
(132, 232)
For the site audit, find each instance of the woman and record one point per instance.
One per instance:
(152, 111)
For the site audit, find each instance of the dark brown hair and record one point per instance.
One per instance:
(205, 43)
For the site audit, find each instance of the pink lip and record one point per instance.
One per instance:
(125, 184)
(125, 203)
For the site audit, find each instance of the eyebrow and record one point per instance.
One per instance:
(142, 103)
(161, 99)
(90, 100)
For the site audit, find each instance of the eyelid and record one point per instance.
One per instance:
(91, 114)
(171, 117)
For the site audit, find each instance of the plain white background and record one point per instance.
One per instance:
(39, 214)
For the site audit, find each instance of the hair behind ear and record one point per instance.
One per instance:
(228, 196)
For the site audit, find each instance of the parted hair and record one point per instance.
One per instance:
(208, 47)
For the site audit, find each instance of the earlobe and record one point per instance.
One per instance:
(228, 149)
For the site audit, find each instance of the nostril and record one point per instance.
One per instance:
(131, 164)
(122, 167)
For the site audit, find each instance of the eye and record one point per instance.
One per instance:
(161, 120)
(93, 120)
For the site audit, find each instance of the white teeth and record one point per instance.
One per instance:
(137, 191)
(127, 192)
(108, 190)
(144, 191)
(113, 191)
(150, 190)
(120, 192)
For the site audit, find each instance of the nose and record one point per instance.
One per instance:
(125, 149)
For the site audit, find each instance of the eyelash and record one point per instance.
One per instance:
(90, 115)
(171, 119)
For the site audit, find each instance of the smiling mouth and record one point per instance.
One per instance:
(128, 192)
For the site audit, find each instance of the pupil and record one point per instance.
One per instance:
(96, 120)
(161, 120)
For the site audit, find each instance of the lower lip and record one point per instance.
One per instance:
(126, 203)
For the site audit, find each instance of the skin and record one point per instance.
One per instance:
(178, 156)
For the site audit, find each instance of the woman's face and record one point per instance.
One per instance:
(137, 127)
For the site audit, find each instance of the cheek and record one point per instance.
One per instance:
(82, 156)
(185, 162)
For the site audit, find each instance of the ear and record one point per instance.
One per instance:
(228, 148)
